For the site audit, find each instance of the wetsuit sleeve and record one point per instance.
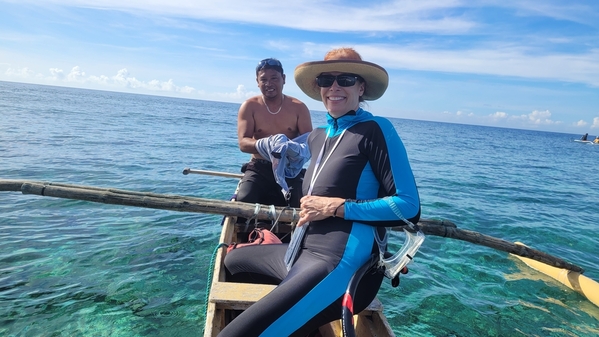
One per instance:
(398, 195)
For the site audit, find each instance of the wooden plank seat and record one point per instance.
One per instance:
(239, 296)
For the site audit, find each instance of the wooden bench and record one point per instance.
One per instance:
(239, 296)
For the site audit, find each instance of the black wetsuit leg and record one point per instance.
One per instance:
(258, 184)
(264, 265)
(309, 273)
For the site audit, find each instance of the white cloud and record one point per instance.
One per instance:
(581, 123)
(541, 117)
(550, 54)
(533, 119)
(575, 11)
(516, 58)
(382, 16)
(76, 75)
(102, 79)
(378, 17)
(186, 89)
(493, 59)
(536, 118)
(56, 74)
(499, 115)
(595, 123)
(462, 113)
(21, 73)
(241, 91)
(162, 86)
(240, 94)
(122, 79)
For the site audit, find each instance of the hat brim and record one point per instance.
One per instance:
(375, 76)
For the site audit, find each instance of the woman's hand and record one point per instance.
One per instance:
(314, 208)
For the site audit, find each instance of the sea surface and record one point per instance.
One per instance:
(77, 268)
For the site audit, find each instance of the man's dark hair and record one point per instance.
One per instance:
(270, 63)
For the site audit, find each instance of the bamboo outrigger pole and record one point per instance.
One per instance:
(178, 203)
(187, 171)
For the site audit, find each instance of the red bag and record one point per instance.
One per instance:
(259, 236)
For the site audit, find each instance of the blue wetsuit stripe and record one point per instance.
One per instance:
(331, 287)
(398, 182)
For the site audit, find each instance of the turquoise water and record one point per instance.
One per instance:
(74, 268)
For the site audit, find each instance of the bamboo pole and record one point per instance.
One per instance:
(447, 229)
(178, 203)
(187, 171)
(151, 200)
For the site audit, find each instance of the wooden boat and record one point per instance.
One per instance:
(226, 298)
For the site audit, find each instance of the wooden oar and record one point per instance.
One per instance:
(187, 171)
(442, 228)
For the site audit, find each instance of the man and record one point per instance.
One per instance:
(269, 114)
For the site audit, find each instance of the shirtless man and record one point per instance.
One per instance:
(266, 115)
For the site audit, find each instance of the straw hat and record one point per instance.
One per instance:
(376, 77)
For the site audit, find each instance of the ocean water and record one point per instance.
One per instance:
(75, 268)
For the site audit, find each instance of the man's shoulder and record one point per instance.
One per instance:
(250, 104)
(296, 102)
(252, 100)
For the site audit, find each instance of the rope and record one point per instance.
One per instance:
(276, 221)
(254, 217)
(209, 283)
(292, 224)
(272, 214)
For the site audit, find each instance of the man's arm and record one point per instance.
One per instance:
(304, 120)
(245, 129)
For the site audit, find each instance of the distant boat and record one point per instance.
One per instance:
(583, 141)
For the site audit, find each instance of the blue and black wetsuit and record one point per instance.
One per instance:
(370, 169)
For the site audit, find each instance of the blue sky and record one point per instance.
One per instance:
(521, 64)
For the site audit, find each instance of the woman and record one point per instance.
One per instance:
(359, 181)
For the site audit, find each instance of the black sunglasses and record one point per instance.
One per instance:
(268, 62)
(343, 80)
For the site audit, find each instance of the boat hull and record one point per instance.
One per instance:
(226, 299)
